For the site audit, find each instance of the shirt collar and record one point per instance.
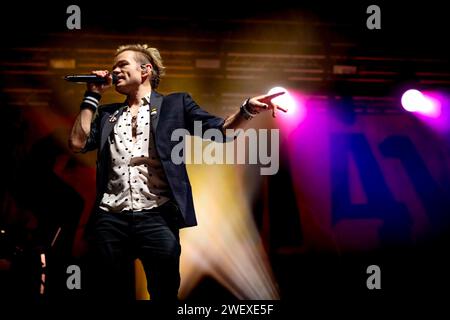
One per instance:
(145, 100)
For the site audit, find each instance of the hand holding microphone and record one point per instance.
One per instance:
(98, 81)
(100, 87)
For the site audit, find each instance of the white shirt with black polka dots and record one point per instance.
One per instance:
(136, 180)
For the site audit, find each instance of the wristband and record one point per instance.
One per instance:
(90, 101)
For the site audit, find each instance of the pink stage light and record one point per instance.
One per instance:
(285, 101)
(294, 103)
(415, 101)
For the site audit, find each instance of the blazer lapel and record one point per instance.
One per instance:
(156, 100)
(108, 124)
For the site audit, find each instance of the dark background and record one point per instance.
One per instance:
(411, 47)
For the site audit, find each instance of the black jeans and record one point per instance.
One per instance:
(119, 238)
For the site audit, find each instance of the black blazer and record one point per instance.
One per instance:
(177, 110)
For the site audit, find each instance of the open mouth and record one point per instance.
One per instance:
(119, 79)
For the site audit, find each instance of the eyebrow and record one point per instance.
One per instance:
(118, 62)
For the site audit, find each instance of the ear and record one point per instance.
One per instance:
(146, 68)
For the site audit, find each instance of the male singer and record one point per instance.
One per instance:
(143, 198)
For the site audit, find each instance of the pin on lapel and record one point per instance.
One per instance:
(112, 118)
(153, 111)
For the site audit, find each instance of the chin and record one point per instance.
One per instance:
(121, 89)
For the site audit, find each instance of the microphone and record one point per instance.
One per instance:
(90, 78)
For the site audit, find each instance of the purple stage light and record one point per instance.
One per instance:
(415, 101)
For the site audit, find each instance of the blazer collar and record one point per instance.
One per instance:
(109, 120)
(156, 100)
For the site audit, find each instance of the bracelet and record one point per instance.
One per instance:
(247, 114)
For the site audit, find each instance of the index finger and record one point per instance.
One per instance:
(273, 95)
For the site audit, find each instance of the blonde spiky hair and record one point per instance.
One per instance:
(147, 55)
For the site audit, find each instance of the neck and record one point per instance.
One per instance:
(135, 98)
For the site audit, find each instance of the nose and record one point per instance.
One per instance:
(116, 71)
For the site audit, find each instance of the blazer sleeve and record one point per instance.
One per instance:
(195, 113)
(93, 140)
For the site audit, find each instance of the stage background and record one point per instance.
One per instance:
(361, 181)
